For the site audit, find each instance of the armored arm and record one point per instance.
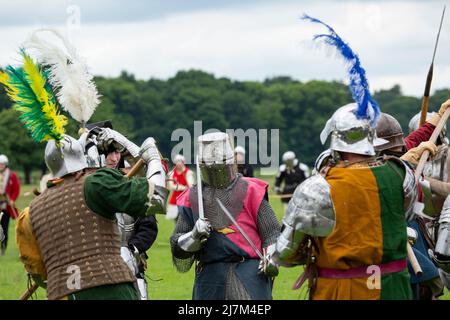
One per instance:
(156, 177)
(438, 187)
(310, 212)
(269, 230)
(441, 254)
(145, 233)
(192, 240)
(409, 192)
(109, 136)
(185, 240)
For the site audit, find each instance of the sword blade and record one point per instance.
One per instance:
(246, 237)
(201, 214)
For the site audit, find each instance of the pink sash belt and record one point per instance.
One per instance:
(362, 272)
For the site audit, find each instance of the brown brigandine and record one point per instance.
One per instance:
(71, 236)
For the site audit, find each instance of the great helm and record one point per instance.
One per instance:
(389, 128)
(350, 134)
(216, 159)
(64, 157)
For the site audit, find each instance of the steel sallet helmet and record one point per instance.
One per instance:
(389, 128)
(216, 159)
(350, 134)
(65, 157)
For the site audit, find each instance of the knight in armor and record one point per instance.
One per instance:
(137, 234)
(244, 168)
(324, 223)
(180, 179)
(9, 192)
(291, 173)
(429, 285)
(228, 267)
(349, 221)
(436, 189)
(68, 238)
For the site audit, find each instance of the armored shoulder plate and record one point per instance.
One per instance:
(311, 209)
(282, 168)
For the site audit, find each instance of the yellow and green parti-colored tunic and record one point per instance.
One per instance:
(370, 230)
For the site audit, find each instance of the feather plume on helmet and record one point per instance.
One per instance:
(29, 89)
(68, 74)
(353, 125)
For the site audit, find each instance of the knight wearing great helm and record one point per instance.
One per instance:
(229, 264)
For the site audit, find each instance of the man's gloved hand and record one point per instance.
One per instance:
(444, 107)
(277, 190)
(149, 151)
(268, 266)
(414, 154)
(434, 120)
(109, 136)
(412, 235)
(202, 230)
(194, 240)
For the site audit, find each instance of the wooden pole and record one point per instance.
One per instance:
(433, 138)
(413, 260)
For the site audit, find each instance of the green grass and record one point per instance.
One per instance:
(164, 281)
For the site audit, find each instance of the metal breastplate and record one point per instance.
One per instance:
(126, 224)
(232, 197)
(72, 237)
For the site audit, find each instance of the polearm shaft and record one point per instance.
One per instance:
(426, 94)
(433, 138)
(27, 294)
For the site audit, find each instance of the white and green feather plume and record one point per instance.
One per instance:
(68, 74)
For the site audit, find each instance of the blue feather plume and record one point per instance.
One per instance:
(359, 86)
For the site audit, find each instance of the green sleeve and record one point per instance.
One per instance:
(108, 191)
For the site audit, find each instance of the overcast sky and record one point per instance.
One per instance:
(242, 40)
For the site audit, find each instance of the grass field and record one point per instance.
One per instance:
(165, 282)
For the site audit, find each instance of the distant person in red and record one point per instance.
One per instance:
(9, 192)
(180, 179)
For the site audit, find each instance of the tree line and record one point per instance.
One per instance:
(143, 108)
